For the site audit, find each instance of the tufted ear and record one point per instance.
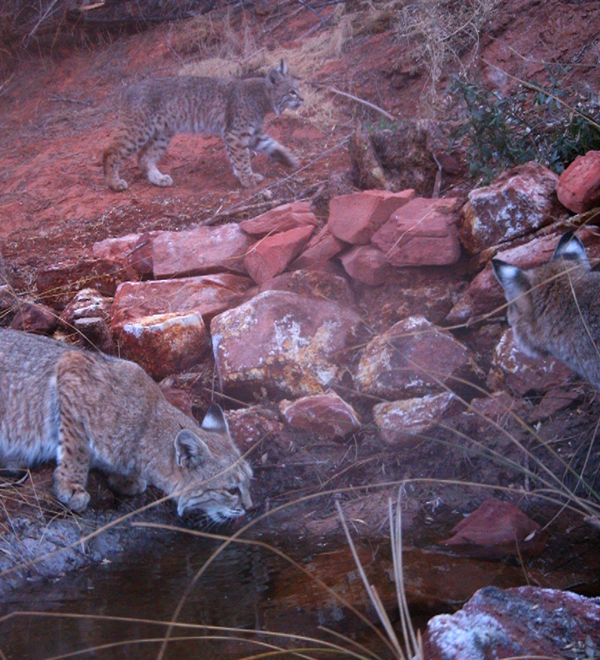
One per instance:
(191, 451)
(513, 280)
(570, 247)
(214, 420)
(283, 68)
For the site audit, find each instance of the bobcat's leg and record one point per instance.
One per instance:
(123, 145)
(149, 157)
(73, 379)
(126, 485)
(265, 144)
(239, 156)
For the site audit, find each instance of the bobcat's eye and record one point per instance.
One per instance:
(234, 491)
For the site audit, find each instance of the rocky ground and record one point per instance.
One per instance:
(345, 315)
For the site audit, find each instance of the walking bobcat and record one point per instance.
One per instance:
(90, 410)
(555, 308)
(157, 109)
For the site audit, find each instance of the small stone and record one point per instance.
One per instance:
(312, 283)
(319, 250)
(355, 218)
(254, 424)
(87, 303)
(421, 233)
(326, 415)
(36, 318)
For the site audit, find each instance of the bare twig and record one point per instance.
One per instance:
(334, 90)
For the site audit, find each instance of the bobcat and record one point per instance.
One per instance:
(91, 410)
(555, 308)
(157, 109)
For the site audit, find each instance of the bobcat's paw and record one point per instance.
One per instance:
(74, 496)
(126, 485)
(252, 180)
(118, 186)
(158, 179)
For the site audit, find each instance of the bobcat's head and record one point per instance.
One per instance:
(211, 475)
(282, 89)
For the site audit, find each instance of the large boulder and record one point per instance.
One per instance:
(421, 233)
(282, 343)
(413, 358)
(517, 203)
(200, 251)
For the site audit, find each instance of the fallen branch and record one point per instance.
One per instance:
(334, 90)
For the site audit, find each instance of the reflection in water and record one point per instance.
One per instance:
(246, 587)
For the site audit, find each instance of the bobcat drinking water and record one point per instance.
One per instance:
(157, 109)
(90, 410)
(555, 308)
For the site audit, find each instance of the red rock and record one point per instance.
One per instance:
(579, 185)
(115, 249)
(558, 398)
(496, 407)
(355, 218)
(271, 255)
(58, 284)
(282, 343)
(164, 343)
(417, 418)
(366, 263)
(517, 203)
(515, 370)
(421, 233)
(496, 529)
(33, 317)
(87, 303)
(281, 218)
(206, 294)
(526, 622)
(140, 257)
(200, 251)
(321, 247)
(312, 283)
(326, 415)
(412, 358)
(254, 424)
(8, 300)
(178, 398)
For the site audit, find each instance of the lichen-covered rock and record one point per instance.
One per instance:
(200, 251)
(522, 622)
(356, 217)
(417, 418)
(87, 303)
(326, 415)
(518, 202)
(516, 371)
(579, 185)
(421, 233)
(271, 255)
(206, 294)
(412, 358)
(164, 343)
(254, 424)
(282, 343)
(312, 283)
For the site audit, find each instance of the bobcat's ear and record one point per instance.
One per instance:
(191, 451)
(214, 420)
(283, 68)
(570, 247)
(513, 280)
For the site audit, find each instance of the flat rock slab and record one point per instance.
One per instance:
(322, 247)
(421, 233)
(356, 217)
(200, 251)
(206, 294)
(283, 343)
(414, 357)
(281, 218)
